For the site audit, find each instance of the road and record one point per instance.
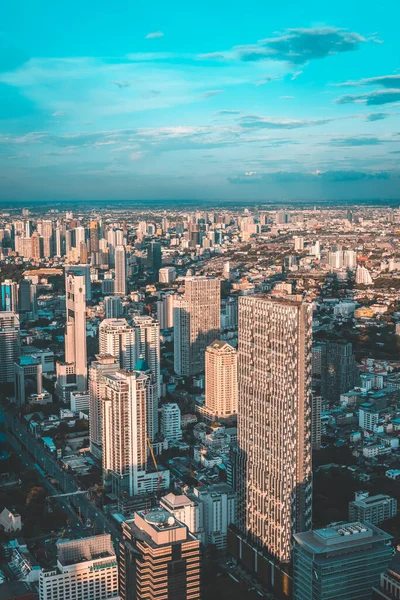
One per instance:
(32, 452)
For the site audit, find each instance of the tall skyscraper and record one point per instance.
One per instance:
(197, 322)
(113, 307)
(117, 338)
(160, 559)
(104, 365)
(9, 296)
(75, 330)
(85, 271)
(125, 435)
(338, 369)
(120, 271)
(221, 380)
(86, 569)
(9, 345)
(340, 561)
(47, 235)
(147, 345)
(274, 429)
(316, 426)
(154, 256)
(165, 311)
(94, 236)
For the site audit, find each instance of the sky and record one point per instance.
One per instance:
(250, 100)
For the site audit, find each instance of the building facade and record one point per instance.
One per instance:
(9, 345)
(221, 379)
(75, 329)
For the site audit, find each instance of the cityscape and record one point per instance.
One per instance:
(199, 301)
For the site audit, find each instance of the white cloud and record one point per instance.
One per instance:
(154, 34)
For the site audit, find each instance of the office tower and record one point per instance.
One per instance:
(197, 321)
(59, 240)
(83, 253)
(120, 271)
(341, 561)
(389, 585)
(94, 236)
(102, 366)
(79, 237)
(24, 296)
(85, 271)
(107, 287)
(147, 345)
(75, 330)
(274, 429)
(79, 401)
(165, 311)
(125, 435)
(9, 345)
(113, 307)
(221, 380)
(171, 422)
(298, 244)
(117, 338)
(9, 296)
(167, 275)
(187, 510)
(336, 257)
(338, 370)
(350, 259)
(154, 257)
(373, 509)
(47, 235)
(316, 406)
(160, 559)
(27, 379)
(86, 569)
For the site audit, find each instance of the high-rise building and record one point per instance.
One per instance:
(113, 307)
(117, 338)
(147, 345)
(171, 422)
(197, 322)
(85, 271)
(47, 235)
(9, 345)
(75, 330)
(94, 236)
(86, 569)
(221, 380)
(167, 275)
(104, 365)
(125, 435)
(27, 379)
(274, 421)
(9, 296)
(338, 369)
(165, 311)
(389, 586)
(340, 561)
(120, 271)
(218, 503)
(160, 559)
(363, 276)
(298, 244)
(24, 296)
(154, 256)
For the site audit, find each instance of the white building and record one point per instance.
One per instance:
(363, 276)
(75, 330)
(9, 345)
(87, 569)
(105, 364)
(120, 271)
(171, 422)
(219, 511)
(373, 509)
(10, 521)
(117, 338)
(79, 401)
(147, 345)
(165, 311)
(344, 309)
(186, 510)
(167, 275)
(368, 418)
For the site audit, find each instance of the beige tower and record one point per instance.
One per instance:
(221, 380)
(75, 330)
(117, 338)
(197, 323)
(120, 271)
(104, 365)
(274, 421)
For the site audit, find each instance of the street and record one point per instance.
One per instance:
(31, 452)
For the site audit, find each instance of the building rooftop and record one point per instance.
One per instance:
(340, 536)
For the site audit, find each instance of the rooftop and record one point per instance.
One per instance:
(340, 536)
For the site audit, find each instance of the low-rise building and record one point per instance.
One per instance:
(373, 509)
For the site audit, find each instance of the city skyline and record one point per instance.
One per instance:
(136, 104)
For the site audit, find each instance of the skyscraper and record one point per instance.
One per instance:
(120, 271)
(154, 256)
(9, 296)
(117, 338)
(340, 561)
(160, 559)
(197, 322)
(9, 345)
(85, 271)
(47, 235)
(113, 307)
(274, 430)
(104, 365)
(221, 380)
(125, 435)
(147, 345)
(75, 330)
(338, 369)
(94, 236)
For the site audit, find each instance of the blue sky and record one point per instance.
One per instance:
(211, 100)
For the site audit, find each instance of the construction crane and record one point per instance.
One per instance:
(159, 478)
